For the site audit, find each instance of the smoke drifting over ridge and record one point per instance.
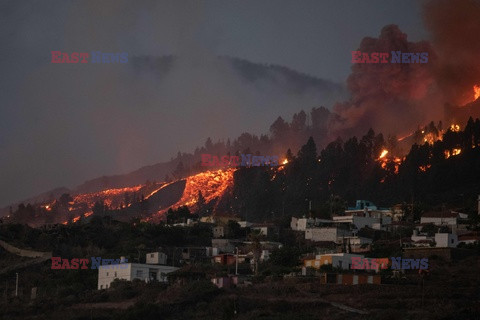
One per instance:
(74, 122)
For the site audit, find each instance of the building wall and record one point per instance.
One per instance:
(129, 272)
(218, 232)
(224, 245)
(439, 221)
(444, 240)
(262, 230)
(325, 234)
(361, 222)
(300, 224)
(358, 241)
(107, 275)
(343, 260)
(156, 258)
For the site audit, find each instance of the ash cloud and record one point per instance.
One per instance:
(397, 98)
(392, 98)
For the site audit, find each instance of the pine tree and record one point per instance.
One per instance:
(201, 204)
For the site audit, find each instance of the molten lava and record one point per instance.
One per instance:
(110, 197)
(212, 184)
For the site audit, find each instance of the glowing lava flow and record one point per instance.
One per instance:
(212, 184)
(109, 196)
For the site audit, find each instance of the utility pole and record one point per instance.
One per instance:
(423, 285)
(236, 263)
(16, 286)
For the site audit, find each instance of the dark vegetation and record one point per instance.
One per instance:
(345, 171)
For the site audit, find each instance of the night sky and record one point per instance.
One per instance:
(61, 124)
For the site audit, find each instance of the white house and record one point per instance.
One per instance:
(361, 222)
(131, 271)
(440, 218)
(300, 224)
(446, 240)
(326, 234)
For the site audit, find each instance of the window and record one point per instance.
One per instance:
(139, 274)
(151, 255)
(101, 286)
(115, 274)
(107, 274)
(452, 241)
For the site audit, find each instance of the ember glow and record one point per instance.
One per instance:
(383, 154)
(386, 160)
(476, 92)
(405, 137)
(454, 152)
(455, 127)
(424, 168)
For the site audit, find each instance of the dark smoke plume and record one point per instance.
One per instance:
(392, 98)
